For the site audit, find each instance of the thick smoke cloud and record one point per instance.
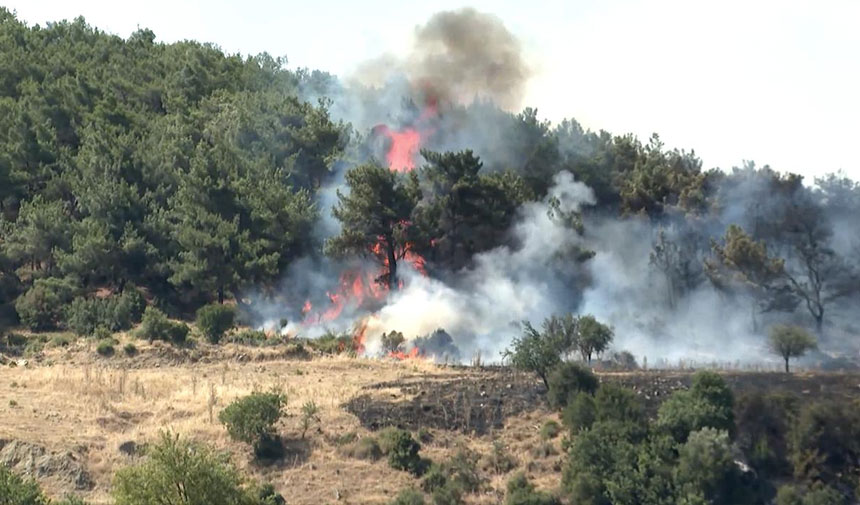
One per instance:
(456, 57)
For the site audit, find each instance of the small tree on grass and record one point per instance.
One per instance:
(541, 351)
(252, 419)
(791, 342)
(181, 472)
(214, 320)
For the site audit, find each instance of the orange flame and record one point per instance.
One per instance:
(414, 353)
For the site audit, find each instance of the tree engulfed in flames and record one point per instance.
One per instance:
(356, 288)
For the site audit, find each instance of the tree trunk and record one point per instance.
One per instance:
(392, 266)
(786, 365)
(221, 295)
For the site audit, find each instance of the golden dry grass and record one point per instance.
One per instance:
(73, 400)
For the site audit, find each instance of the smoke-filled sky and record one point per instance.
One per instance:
(771, 81)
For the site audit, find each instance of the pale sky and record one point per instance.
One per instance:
(772, 81)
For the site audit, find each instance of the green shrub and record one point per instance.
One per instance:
(706, 468)
(179, 471)
(580, 413)
(707, 404)
(115, 313)
(402, 451)
(824, 440)
(549, 430)
(102, 333)
(129, 349)
(522, 492)
(408, 497)
(268, 495)
(616, 403)
(70, 500)
(61, 341)
(251, 419)
(105, 347)
(35, 344)
(332, 343)
(449, 494)
(255, 338)
(499, 460)
(15, 490)
(214, 320)
(41, 307)
(156, 326)
(566, 380)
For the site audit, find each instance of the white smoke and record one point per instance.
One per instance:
(482, 306)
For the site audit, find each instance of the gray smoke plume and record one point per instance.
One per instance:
(456, 57)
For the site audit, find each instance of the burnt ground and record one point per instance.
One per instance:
(480, 400)
(474, 401)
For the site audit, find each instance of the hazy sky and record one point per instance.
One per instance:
(772, 81)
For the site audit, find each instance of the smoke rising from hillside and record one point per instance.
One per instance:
(462, 55)
(457, 56)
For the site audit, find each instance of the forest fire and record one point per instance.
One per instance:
(359, 288)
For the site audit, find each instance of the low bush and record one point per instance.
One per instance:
(214, 320)
(41, 307)
(366, 448)
(251, 419)
(402, 451)
(332, 343)
(130, 349)
(15, 490)
(156, 326)
(522, 492)
(566, 380)
(549, 430)
(580, 413)
(102, 333)
(499, 460)
(254, 338)
(105, 347)
(115, 313)
(61, 341)
(177, 470)
(408, 497)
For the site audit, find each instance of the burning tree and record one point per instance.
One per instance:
(375, 215)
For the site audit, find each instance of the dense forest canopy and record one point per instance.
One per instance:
(195, 176)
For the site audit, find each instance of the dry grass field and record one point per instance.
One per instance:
(71, 418)
(81, 408)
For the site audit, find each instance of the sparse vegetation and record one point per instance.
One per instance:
(409, 497)
(310, 415)
(522, 492)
